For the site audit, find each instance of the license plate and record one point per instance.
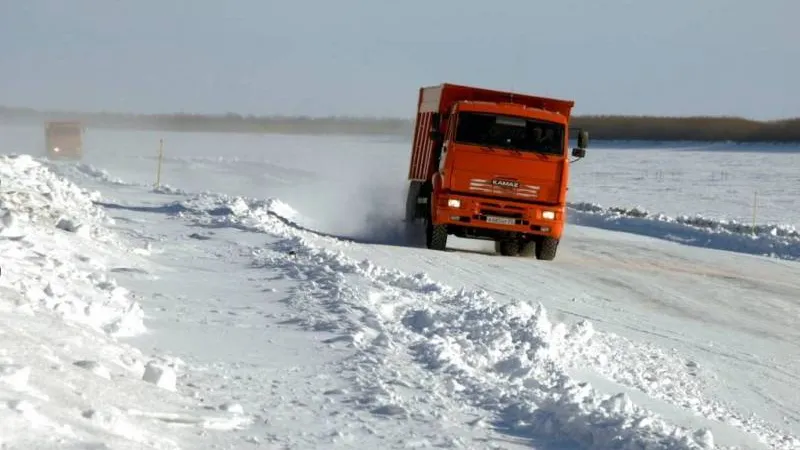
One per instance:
(501, 220)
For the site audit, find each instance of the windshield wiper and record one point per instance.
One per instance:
(541, 155)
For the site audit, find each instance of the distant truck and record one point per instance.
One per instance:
(491, 165)
(64, 139)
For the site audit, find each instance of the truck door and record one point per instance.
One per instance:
(449, 137)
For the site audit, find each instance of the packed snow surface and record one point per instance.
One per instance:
(274, 322)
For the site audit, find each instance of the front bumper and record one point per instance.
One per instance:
(499, 215)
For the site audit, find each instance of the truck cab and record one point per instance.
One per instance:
(492, 165)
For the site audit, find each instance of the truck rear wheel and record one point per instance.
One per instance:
(436, 236)
(417, 198)
(546, 249)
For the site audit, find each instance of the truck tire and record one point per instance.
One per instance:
(546, 250)
(424, 201)
(527, 248)
(509, 247)
(412, 205)
(436, 236)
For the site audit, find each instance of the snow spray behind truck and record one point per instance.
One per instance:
(493, 165)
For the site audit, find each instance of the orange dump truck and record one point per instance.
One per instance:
(64, 139)
(492, 165)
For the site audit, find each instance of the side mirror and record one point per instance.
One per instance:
(583, 139)
(579, 152)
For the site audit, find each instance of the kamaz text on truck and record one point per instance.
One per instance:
(493, 165)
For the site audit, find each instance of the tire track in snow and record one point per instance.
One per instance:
(504, 359)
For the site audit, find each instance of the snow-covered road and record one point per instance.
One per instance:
(336, 343)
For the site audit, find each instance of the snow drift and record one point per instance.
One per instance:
(51, 235)
(78, 170)
(775, 240)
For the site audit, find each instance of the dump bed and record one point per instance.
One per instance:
(436, 100)
(441, 98)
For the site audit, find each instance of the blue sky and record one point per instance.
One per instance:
(676, 57)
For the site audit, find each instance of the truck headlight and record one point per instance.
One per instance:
(454, 203)
(549, 215)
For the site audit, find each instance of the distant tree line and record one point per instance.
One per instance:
(229, 122)
(689, 128)
(601, 127)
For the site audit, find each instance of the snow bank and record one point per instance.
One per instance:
(239, 212)
(33, 195)
(82, 171)
(510, 360)
(65, 379)
(776, 240)
(50, 239)
(52, 282)
(166, 189)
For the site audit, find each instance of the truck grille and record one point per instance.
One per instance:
(497, 205)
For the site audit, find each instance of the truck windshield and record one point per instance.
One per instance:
(511, 132)
(64, 132)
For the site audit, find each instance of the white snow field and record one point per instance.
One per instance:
(278, 302)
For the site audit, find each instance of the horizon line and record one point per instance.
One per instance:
(373, 117)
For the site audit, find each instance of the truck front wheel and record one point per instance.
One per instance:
(527, 248)
(546, 249)
(436, 236)
(508, 247)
